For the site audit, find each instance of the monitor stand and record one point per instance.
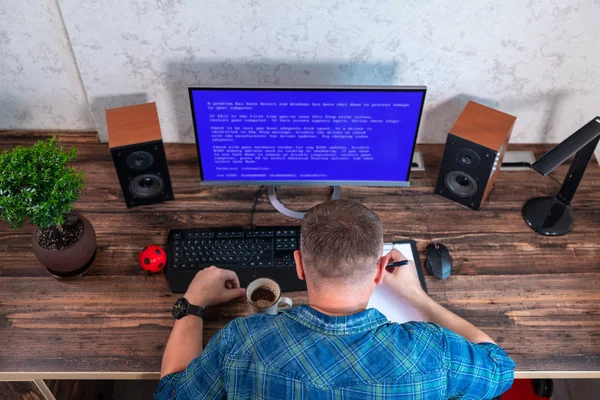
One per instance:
(336, 192)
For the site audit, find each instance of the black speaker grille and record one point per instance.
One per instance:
(468, 158)
(461, 184)
(146, 186)
(465, 171)
(140, 160)
(143, 173)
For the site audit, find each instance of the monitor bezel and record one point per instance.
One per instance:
(392, 88)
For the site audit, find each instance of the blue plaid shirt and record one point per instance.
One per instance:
(304, 354)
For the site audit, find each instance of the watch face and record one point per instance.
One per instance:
(180, 308)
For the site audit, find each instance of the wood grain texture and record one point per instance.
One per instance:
(537, 296)
(132, 125)
(83, 389)
(20, 391)
(484, 125)
(102, 389)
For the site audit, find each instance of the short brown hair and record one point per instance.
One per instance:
(341, 240)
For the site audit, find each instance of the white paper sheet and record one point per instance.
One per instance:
(386, 301)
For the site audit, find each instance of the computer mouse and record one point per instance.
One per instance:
(439, 262)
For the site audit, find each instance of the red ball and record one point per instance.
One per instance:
(153, 258)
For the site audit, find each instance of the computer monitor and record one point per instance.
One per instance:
(338, 136)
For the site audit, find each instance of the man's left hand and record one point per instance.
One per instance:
(213, 286)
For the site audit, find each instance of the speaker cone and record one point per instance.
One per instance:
(140, 160)
(461, 184)
(146, 185)
(467, 157)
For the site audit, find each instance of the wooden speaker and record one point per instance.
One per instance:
(473, 154)
(137, 149)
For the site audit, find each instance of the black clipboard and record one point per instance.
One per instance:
(413, 247)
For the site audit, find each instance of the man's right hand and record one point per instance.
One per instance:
(213, 286)
(403, 280)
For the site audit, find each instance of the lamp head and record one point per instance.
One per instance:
(571, 145)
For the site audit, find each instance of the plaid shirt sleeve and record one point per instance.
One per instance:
(476, 371)
(202, 379)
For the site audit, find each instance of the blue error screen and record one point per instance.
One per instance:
(306, 135)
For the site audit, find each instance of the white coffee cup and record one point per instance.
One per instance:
(266, 306)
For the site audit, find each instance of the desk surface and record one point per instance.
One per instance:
(538, 297)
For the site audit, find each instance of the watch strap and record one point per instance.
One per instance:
(195, 310)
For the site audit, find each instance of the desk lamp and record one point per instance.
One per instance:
(552, 216)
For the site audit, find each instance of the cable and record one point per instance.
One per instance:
(554, 179)
(426, 214)
(256, 199)
(549, 175)
(528, 165)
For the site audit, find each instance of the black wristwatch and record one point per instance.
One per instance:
(183, 307)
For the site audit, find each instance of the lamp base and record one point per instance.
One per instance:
(548, 216)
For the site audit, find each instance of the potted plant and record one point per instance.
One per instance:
(36, 184)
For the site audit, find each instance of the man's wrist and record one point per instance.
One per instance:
(419, 300)
(428, 308)
(196, 300)
(190, 322)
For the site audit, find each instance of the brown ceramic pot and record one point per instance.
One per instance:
(72, 261)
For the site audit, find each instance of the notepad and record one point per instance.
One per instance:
(386, 301)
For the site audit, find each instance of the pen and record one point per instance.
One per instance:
(397, 264)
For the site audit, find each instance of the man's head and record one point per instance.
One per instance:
(341, 244)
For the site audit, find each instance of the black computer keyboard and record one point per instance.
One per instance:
(252, 253)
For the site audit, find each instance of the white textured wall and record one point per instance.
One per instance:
(39, 83)
(538, 60)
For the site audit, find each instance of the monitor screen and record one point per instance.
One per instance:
(306, 136)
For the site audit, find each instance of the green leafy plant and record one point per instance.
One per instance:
(37, 184)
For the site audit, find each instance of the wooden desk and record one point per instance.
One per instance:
(538, 297)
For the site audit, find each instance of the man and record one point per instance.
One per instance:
(333, 348)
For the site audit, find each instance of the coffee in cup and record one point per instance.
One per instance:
(264, 295)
